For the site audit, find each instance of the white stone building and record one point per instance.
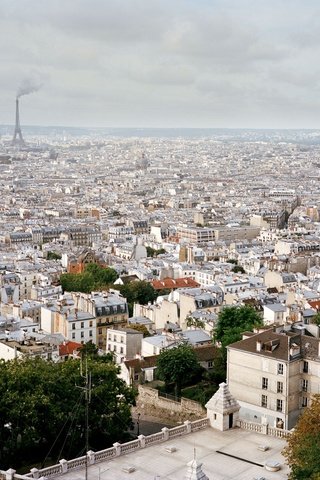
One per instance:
(273, 376)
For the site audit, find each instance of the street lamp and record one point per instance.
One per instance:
(138, 424)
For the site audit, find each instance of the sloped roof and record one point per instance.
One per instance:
(205, 353)
(222, 401)
(174, 283)
(68, 348)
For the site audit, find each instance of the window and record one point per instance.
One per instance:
(90, 323)
(114, 338)
(73, 326)
(114, 348)
(304, 402)
(100, 331)
(109, 346)
(210, 364)
(279, 405)
(264, 383)
(121, 349)
(82, 324)
(305, 385)
(73, 336)
(109, 337)
(305, 367)
(90, 333)
(82, 334)
(280, 368)
(264, 401)
(279, 387)
(121, 339)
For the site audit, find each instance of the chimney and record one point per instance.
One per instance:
(17, 136)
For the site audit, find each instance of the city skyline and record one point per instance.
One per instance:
(237, 64)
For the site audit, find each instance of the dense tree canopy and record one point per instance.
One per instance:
(316, 319)
(153, 252)
(177, 365)
(238, 269)
(42, 409)
(195, 322)
(234, 320)
(137, 292)
(303, 447)
(93, 278)
(53, 255)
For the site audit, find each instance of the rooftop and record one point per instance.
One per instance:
(229, 455)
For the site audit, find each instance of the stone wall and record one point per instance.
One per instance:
(149, 403)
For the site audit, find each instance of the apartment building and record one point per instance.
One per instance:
(124, 343)
(73, 324)
(196, 235)
(274, 375)
(110, 311)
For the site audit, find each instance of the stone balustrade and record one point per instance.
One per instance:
(118, 449)
(92, 458)
(265, 429)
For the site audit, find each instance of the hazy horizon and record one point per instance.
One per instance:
(177, 64)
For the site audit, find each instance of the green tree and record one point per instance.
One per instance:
(195, 322)
(153, 252)
(137, 292)
(102, 276)
(316, 319)
(94, 277)
(238, 269)
(233, 320)
(140, 328)
(177, 365)
(303, 444)
(42, 409)
(53, 256)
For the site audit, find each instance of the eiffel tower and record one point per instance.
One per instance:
(17, 136)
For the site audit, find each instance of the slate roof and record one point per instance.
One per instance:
(277, 345)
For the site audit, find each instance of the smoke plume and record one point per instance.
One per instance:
(28, 86)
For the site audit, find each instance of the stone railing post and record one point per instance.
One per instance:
(142, 441)
(265, 429)
(165, 432)
(64, 465)
(117, 446)
(35, 472)
(91, 457)
(187, 423)
(10, 474)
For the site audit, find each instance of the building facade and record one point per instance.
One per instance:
(274, 375)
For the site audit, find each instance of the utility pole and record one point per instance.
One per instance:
(87, 390)
(138, 424)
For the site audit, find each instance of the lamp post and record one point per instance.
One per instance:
(138, 424)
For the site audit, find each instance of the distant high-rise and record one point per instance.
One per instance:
(17, 136)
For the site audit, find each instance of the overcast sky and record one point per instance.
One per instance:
(162, 63)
